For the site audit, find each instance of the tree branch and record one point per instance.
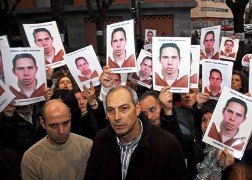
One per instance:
(14, 6)
(91, 10)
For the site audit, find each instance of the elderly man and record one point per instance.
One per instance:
(25, 69)
(170, 74)
(83, 65)
(234, 114)
(208, 43)
(126, 148)
(120, 57)
(59, 155)
(43, 38)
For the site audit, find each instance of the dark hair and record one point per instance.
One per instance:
(209, 32)
(215, 70)
(244, 81)
(62, 76)
(79, 58)
(117, 30)
(147, 57)
(208, 107)
(229, 41)
(149, 32)
(151, 93)
(166, 45)
(40, 30)
(67, 96)
(24, 55)
(239, 101)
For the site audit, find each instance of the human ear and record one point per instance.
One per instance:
(138, 109)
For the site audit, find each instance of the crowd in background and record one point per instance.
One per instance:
(186, 116)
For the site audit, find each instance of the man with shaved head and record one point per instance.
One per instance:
(61, 154)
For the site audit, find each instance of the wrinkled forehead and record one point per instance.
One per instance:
(118, 97)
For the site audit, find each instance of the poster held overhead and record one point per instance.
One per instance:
(46, 35)
(24, 71)
(230, 126)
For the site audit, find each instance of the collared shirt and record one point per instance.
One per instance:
(180, 75)
(127, 150)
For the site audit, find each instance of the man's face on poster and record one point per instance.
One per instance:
(43, 39)
(25, 71)
(82, 65)
(169, 60)
(233, 116)
(215, 80)
(118, 43)
(229, 46)
(209, 42)
(149, 36)
(146, 67)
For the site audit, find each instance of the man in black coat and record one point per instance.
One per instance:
(130, 147)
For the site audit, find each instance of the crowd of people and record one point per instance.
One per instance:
(116, 131)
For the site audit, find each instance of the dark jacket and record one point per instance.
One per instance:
(157, 156)
(16, 133)
(192, 146)
(170, 124)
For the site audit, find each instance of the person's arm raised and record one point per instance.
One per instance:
(166, 99)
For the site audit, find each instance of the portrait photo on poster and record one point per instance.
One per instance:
(143, 76)
(25, 75)
(215, 75)
(229, 48)
(209, 43)
(46, 35)
(194, 66)
(121, 56)
(84, 66)
(148, 47)
(246, 59)
(149, 34)
(171, 59)
(230, 126)
(6, 96)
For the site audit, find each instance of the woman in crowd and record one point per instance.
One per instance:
(63, 82)
(239, 82)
